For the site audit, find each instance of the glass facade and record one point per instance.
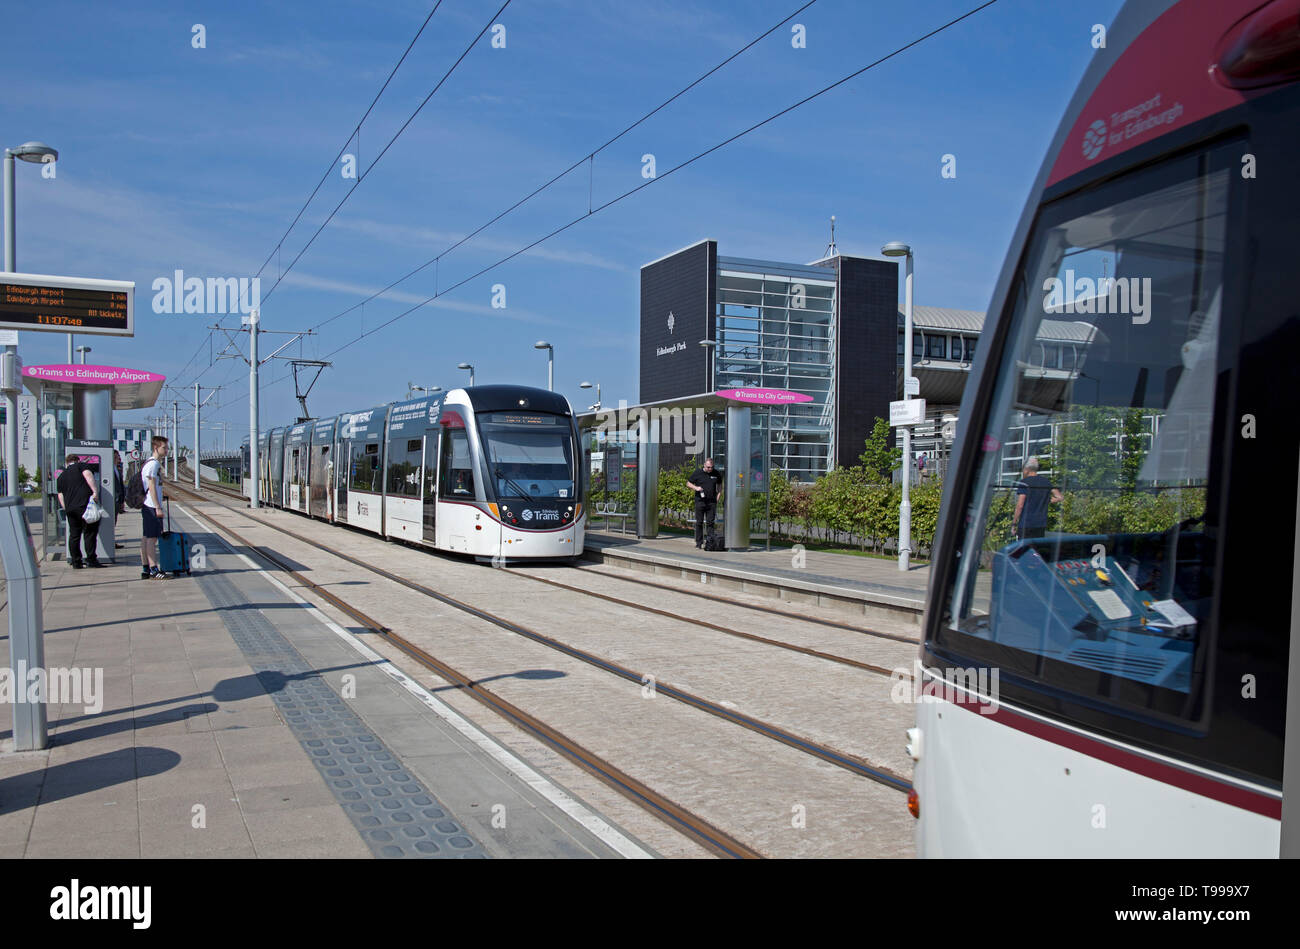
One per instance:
(776, 330)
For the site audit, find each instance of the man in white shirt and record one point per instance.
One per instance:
(151, 511)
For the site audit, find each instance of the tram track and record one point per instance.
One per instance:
(693, 826)
(852, 763)
(727, 630)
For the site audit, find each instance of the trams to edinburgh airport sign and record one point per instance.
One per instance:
(43, 303)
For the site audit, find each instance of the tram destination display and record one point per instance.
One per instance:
(41, 303)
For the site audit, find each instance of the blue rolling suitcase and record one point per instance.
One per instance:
(173, 548)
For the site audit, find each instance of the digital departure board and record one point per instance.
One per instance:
(67, 305)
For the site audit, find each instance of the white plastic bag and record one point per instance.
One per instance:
(93, 512)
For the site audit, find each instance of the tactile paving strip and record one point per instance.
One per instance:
(395, 813)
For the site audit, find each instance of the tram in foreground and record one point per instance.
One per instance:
(1115, 683)
(491, 471)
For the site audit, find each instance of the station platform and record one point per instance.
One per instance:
(869, 586)
(222, 716)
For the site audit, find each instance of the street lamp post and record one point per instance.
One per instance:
(466, 365)
(550, 362)
(899, 249)
(712, 346)
(587, 385)
(82, 350)
(38, 153)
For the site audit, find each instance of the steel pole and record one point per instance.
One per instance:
(175, 421)
(550, 369)
(905, 509)
(11, 352)
(196, 436)
(253, 473)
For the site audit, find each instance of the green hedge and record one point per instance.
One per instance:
(848, 507)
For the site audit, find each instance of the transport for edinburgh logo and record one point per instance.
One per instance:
(1094, 139)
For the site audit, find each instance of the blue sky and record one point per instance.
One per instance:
(177, 158)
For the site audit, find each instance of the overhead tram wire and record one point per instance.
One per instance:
(678, 167)
(384, 150)
(330, 167)
(577, 164)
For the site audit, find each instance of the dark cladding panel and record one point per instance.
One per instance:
(868, 350)
(673, 363)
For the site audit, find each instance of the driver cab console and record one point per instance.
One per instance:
(1110, 602)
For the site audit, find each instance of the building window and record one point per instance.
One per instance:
(935, 347)
(970, 348)
(918, 344)
(956, 347)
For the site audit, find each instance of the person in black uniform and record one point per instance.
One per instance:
(1033, 494)
(76, 486)
(705, 483)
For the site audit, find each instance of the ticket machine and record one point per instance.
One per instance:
(98, 453)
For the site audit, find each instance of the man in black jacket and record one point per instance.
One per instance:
(76, 486)
(705, 483)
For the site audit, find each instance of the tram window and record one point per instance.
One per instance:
(405, 461)
(1094, 573)
(366, 475)
(457, 480)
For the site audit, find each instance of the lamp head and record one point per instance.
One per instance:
(464, 365)
(896, 249)
(541, 344)
(36, 152)
(584, 385)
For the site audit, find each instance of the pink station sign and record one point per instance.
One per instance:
(764, 396)
(92, 375)
(132, 388)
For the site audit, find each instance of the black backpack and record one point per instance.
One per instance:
(134, 488)
(714, 542)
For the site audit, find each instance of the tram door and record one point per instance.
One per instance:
(342, 477)
(432, 451)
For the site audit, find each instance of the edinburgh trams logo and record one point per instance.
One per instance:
(1094, 140)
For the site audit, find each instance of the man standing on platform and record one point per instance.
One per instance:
(705, 483)
(1033, 494)
(151, 511)
(76, 486)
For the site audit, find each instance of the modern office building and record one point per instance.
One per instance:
(831, 329)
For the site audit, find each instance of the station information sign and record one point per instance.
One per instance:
(43, 303)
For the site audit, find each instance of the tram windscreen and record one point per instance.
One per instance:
(529, 454)
(1084, 560)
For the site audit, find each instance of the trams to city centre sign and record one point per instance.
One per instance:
(67, 305)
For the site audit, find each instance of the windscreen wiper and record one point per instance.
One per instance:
(510, 481)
